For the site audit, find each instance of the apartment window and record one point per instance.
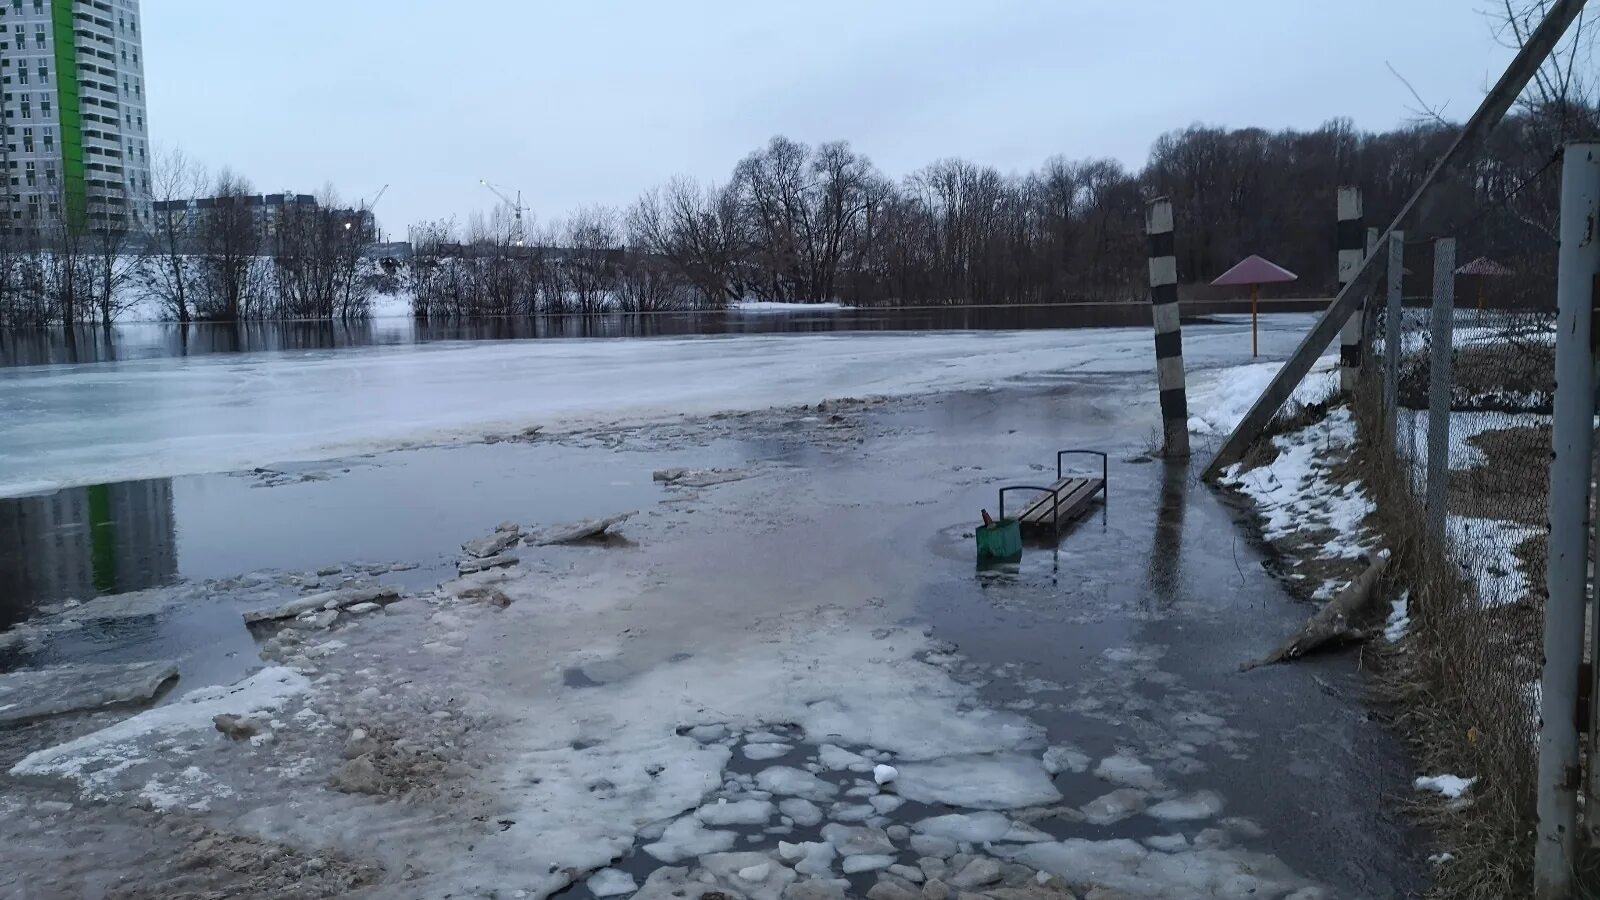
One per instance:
(31, 176)
(141, 121)
(22, 74)
(38, 36)
(129, 117)
(44, 106)
(124, 54)
(16, 5)
(44, 72)
(50, 174)
(27, 110)
(38, 6)
(125, 85)
(49, 138)
(27, 140)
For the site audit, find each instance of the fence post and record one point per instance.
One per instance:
(1169, 336)
(1394, 335)
(1350, 242)
(1567, 569)
(1440, 357)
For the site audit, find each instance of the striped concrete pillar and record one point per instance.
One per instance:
(1169, 336)
(1352, 252)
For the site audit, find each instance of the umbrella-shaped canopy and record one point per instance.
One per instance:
(1255, 270)
(1483, 265)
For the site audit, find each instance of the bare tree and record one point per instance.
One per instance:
(169, 271)
(113, 252)
(699, 231)
(593, 254)
(229, 250)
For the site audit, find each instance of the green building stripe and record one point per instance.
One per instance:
(70, 101)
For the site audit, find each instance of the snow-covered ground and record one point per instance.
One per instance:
(1219, 399)
(86, 424)
(1484, 547)
(760, 306)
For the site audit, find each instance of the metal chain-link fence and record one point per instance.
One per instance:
(1498, 363)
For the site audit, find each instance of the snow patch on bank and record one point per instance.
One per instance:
(1451, 787)
(1218, 400)
(1297, 492)
(1484, 548)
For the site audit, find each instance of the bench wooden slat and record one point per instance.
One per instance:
(1075, 494)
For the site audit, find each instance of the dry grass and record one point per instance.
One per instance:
(1512, 484)
(1461, 689)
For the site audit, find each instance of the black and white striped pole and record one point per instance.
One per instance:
(1352, 253)
(1169, 335)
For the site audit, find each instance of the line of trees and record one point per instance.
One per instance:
(219, 263)
(800, 223)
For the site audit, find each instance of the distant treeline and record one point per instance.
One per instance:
(800, 223)
(223, 264)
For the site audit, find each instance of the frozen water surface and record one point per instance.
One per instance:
(86, 424)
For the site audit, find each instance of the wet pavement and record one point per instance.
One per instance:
(1125, 639)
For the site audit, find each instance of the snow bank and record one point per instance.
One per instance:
(1297, 491)
(1219, 400)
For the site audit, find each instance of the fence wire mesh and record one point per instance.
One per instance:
(1498, 403)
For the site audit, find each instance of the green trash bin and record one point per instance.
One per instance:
(1000, 542)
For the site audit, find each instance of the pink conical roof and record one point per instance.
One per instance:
(1483, 265)
(1255, 270)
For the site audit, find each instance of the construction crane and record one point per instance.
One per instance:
(516, 210)
(368, 207)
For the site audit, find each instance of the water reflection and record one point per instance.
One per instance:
(1166, 551)
(155, 340)
(81, 542)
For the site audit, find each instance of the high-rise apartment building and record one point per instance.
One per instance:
(76, 147)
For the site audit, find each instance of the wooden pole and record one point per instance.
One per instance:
(1255, 337)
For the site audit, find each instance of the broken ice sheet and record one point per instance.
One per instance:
(107, 763)
(991, 781)
(36, 693)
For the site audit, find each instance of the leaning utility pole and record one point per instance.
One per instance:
(1467, 143)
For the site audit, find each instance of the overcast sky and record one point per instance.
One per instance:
(594, 100)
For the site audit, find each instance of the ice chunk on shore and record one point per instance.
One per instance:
(996, 781)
